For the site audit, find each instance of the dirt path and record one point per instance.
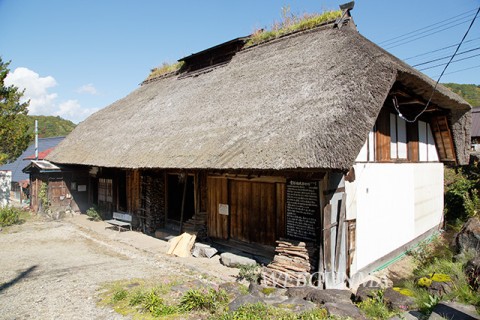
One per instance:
(52, 269)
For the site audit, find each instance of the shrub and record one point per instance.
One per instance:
(461, 199)
(93, 214)
(9, 216)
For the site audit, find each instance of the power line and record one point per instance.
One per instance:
(395, 102)
(424, 36)
(442, 64)
(442, 58)
(460, 70)
(420, 29)
(440, 49)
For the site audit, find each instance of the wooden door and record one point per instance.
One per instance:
(252, 211)
(217, 193)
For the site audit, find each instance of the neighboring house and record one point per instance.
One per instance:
(476, 129)
(295, 138)
(20, 181)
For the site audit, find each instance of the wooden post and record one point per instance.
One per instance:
(183, 202)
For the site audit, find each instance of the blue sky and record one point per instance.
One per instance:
(75, 57)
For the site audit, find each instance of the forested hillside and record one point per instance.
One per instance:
(50, 126)
(470, 92)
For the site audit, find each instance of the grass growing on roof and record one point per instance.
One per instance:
(291, 23)
(164, 69)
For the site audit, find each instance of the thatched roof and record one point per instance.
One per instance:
(307, 100)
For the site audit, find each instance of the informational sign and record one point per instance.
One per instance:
(302, 209)
(82, 187)
(223, 209)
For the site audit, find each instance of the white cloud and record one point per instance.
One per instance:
(36, 89)
(87, 88)
(71, 109)
(43, 102)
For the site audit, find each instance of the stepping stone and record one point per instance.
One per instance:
(243, 300)
(329, 295)
(234, 261)
(343, 310)
(296, 305)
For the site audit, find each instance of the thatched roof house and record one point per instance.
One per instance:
(303, 101)
(295, 138)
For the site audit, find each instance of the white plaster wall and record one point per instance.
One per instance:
(5, 182)
(393, 204)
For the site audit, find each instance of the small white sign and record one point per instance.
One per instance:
(223, 209)
(82, 187)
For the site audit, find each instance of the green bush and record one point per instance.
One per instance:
(93, 214)
(9, 216)
(461, 198)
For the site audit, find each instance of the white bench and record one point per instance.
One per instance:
(121, 220)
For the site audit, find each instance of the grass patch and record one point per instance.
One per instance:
(209, 300)
(292, 23)
(259, 311)
(164, 69)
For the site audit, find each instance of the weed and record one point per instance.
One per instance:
(43, 196)
(291, 23)
(164, 69)
(9, 216)
(210, 300)
(119, 295)
(136, 298)
(375, 307)
(93, 214)
(251, 273)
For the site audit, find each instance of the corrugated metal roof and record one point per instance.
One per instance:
(17, 166)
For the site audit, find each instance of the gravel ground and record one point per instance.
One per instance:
(52, 269)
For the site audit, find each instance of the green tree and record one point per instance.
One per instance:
(14, 138)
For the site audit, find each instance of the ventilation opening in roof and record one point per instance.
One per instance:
(212, 57)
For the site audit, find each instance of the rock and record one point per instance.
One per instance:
(440, 288)
(203, 250)
(233, 289)
(232, 260)
(299, 292)
(329, 295)
(343, 310)
(184, 287)
(262, 291)
(364, 293)
(243, 300)
(469, 236)
(396, 300)
(296, 305)
(472, 272)
(453, 310)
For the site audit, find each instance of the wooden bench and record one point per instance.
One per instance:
(121, 220)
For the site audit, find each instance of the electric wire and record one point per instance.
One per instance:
(421, 37)
(454, 61)
(440, 49)
(445, 57)
(420, 29)
(460, 70)
(395, 102)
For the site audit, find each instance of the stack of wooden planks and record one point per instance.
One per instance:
(290, 267)
(181, 246)
(197, 225)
